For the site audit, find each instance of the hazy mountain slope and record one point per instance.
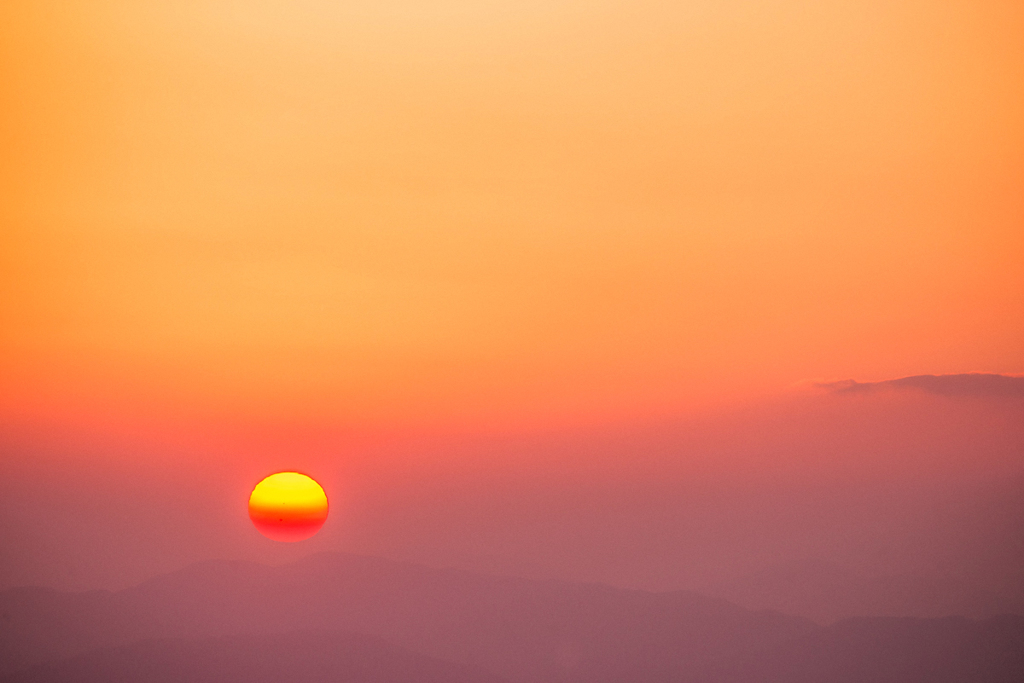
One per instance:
(306, 656)
(37, 624)
(896, 650)
(880, 650)
(826, 593)
(519, 629)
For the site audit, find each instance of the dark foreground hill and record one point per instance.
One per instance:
(305, 656)
(520, 630)
(896, 650)
(951, 650)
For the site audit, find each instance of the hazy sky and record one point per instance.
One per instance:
(389, 212)
(237, 237)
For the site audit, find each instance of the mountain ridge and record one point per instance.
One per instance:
(309, 656)
(519, 630)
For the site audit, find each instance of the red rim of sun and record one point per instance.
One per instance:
(288, 506)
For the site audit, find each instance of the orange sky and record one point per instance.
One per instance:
(397, 212)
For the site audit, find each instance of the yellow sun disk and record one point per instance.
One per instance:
(280, 489)
(288, 506)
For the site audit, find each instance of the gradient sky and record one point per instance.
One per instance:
(237, 237)
(383, 213)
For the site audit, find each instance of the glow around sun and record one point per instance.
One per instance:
(288, 506)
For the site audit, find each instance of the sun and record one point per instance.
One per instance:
(288, 506)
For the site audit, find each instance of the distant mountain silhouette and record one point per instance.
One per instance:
(966, 384)
(295, 657)
(520, 630)
(826, 592)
